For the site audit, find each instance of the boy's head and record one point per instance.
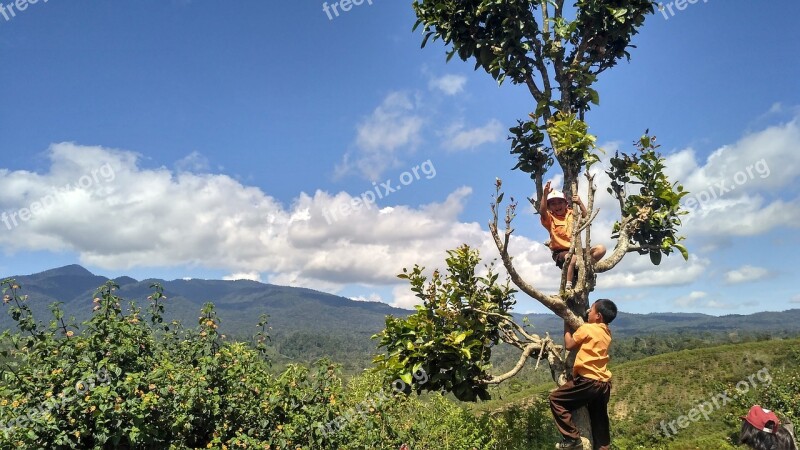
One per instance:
(761, 428)
(602, 311)
(557, 203)
(762, 419)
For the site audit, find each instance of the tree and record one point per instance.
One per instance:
(558, 54)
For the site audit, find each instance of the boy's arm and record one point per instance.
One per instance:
(543, 202)
(577, 199)
(569, 341)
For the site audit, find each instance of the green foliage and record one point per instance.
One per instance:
(573, 144)
(527, 143)
(497, 34)
(653, 213)
(666, 387)
(782, 395)
(451, 336)
(121, 382)
(506, 40)
(66, 389)
(524, 427)
(526, 40)
(372, 421)
(663, 388)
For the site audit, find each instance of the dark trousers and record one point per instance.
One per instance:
(583, 392)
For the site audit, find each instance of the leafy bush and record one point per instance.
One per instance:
(527, 427)
(452, 333)
(119, 381)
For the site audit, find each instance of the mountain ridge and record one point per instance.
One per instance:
(309, 323)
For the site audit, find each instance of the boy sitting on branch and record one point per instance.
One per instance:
(558, 219)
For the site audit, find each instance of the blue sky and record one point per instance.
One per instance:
(198, 139)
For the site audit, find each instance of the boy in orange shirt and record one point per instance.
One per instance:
(590, 385)
(556, 216)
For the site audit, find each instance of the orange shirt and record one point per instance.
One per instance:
(592, 358)
(560, 229)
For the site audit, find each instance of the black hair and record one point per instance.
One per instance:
(761, 440)
(607, 310)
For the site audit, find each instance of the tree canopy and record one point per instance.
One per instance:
(558, 53)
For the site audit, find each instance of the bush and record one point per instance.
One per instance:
(121, 381)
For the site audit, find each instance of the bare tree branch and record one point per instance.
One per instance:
(543, 346)
(622, 248)
(552, 302)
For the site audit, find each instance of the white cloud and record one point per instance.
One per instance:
(690, 299)
(716, 304)
(371, 298)
(449, 84)
(404, 298)
(795, 299)
(159, 218)
(636, 271)
(127, 216)
(394, 125)
(193, 162)
(457, 138)
(694, 300)
(738, 186)
(745, 274)
(253, 276)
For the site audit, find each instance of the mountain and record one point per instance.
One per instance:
(239, 303)
(629, 325)
(308, 324)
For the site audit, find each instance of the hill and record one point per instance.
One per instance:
(653, 399)
(305, 324)
(628, 325)
(308, 324)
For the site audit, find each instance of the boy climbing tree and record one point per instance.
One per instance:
(558, 219)
(556, 51)
(590, 385)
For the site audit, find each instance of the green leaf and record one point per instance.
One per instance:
(683, 250)
(655, 257)
(595, 96)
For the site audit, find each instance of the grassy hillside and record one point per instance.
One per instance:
(193, 388)
(723, 381)
(697, 394)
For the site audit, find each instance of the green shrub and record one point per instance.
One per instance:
(124, 381)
